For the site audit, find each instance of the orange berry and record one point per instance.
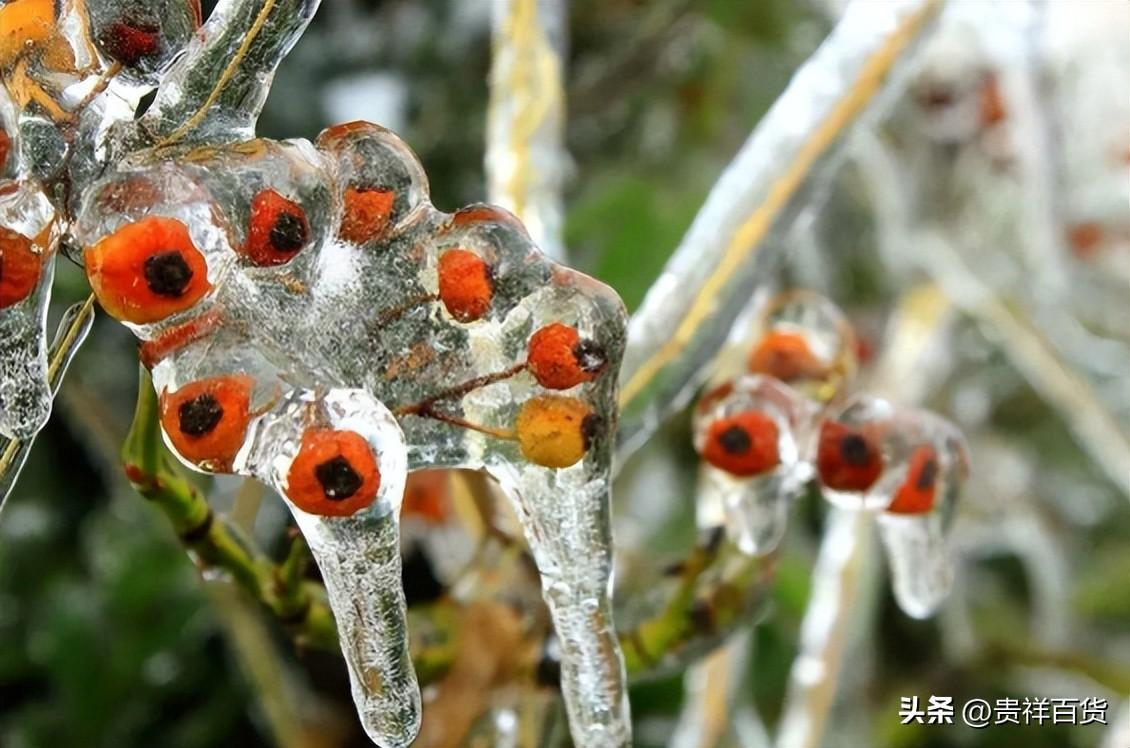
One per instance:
(559, 358)
(744, 444)
(786, 356)
(556, 432)
(367, 213)
(426, 496)
(993, 110)
(277, 230)
(20, 267)
(5, 148)
(147, 270)
(335, 473)
(23, 24)
(1086, 239)
(847, 459)
(465, 284)
(916, 494)
(207, 420)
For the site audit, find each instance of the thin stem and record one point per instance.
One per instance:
(525, 153)
(458, 391)
(213, 540)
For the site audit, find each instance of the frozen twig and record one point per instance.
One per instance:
(685, 315)
(525, 157)
(217, 88)
(1056, 381)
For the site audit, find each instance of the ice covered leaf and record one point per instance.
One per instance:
(750, 433)
(261, 268)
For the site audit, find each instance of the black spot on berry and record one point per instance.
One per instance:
(855, 450)
(590, 356)
(735, 440)
(927, 475)
(288, 234)
(198, 416)
(591, 427)
(167, 274)
(338, 478)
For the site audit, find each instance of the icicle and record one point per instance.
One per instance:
(358, 554)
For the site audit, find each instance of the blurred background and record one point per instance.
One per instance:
(1013, 135)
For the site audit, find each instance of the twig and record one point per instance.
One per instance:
(214, 541)
(668, 341)
(525, 154)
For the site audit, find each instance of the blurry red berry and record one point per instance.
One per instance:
(847, 459)
(277, 230)
(743, 444)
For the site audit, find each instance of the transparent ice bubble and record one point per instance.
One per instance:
(323, 268)
(804, 340)
(749, 433)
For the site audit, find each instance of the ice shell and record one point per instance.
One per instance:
(359, 556)
(804, 340)
(753, 509)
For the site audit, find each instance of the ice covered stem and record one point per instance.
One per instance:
(215, 91)
(313, 437)
(684, 317)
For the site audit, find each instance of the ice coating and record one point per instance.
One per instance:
(260, 272)
(359, 555)
(26, 270)
(746, 492)
(915, 466)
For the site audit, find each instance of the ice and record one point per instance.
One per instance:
(358, 555)
(265, 275)
(74, 326)
(26, 270)
(908, 467)
(749, 432)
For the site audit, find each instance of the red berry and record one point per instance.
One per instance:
(916, 494)
(277, 230)
(20, 267)
(786, 356)
(847, 459)
(743, 444)
(465, 284)
(335, 473)
(367, 213)
(129, 42)
(559, 358)
(207, 420)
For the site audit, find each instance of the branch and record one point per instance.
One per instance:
(214, 541)
(684, 317)
(525, 154)
(215, 91)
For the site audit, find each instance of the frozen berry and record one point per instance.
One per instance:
(367, 213)
(20, 267)
(786, 356)
(465, 284)
(847, 459)
(743, 444)
(147, 270)
(335, 473)
(277, 229)
(916, 494)
(207, 420)
(129, 42)
(559, 358)
(556, 432)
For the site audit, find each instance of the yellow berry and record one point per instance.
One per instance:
(554, 431)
